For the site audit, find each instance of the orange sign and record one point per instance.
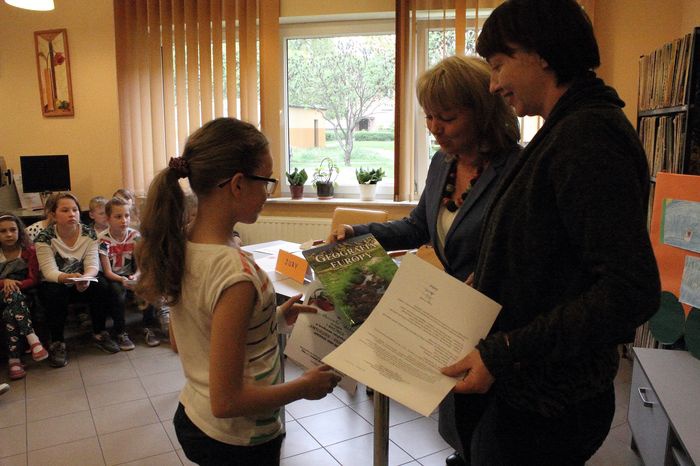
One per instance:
(291, 266)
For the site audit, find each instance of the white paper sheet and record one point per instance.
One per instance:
(426, 320)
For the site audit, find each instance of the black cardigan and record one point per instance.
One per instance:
(566, 251)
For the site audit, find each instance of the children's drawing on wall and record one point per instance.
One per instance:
(680, 226)
(690, 284)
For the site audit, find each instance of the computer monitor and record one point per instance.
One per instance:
(42, 173)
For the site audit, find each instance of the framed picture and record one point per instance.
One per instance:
(53, 71)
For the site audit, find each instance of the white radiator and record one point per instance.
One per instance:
(294, 229)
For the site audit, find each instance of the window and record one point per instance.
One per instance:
(339, 81)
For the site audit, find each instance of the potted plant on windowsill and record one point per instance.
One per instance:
(296, 181)
(368, 180)
(324, 178)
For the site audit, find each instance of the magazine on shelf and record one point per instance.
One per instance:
(355, 274)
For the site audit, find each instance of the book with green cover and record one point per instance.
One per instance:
(355, 274)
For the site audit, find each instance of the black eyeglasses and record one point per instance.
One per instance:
(270, 183)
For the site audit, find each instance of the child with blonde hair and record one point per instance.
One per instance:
(224, 317)
(97, 214)
(116, 247)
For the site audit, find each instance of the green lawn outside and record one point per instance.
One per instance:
(366, 154)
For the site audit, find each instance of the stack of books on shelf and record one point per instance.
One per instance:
(663, 75)
(662, 138)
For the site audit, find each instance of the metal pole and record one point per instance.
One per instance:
(381, 429)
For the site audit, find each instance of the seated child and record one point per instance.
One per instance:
(34, 229)
(67, 255)
(129, 197)
(97, 214)
(19, 271)
(116, 247)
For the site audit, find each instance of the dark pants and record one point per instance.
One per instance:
(117, 304)
(206, 451)
(56, 297)
(505, 436)
(459, 415)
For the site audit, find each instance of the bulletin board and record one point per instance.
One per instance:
(671, 259)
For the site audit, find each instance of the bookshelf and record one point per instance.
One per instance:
(668, 117)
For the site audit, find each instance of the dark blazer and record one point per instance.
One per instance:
(420, 227)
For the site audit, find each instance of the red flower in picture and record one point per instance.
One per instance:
(58, 58)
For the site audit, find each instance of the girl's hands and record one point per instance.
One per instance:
(10, 286)
(319, 382)
(291, 309)
(478, 379)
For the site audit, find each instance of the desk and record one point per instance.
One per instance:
(284, 286)
(664, 414)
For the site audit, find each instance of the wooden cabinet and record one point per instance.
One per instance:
(664, 412)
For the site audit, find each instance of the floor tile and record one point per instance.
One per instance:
(165, 405)
(613, 452)
(398, 413)
(360, 450)
(13, 440)
(297, 440)
(142, 350)
(82, 452)
(184, 459)
(57, 404)
(91, 356)
(13, 413)
(165, 382)
(55, 381)
(303, 408)
(165, 459)
(335, 426)
(155, 364)
(418, 437)
(115, 392)
(358, 397)
(316, 458)
(104, 373)
(17, 460)
(123, 416)
(134, 444)
(61, 429)
(17, 391)
(172, 435)
(436, 459)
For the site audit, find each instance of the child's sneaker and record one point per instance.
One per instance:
(58, 356)
(104, 342)
(150, 337)
(38, 352)
(125, 343)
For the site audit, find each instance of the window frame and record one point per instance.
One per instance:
(337, 26)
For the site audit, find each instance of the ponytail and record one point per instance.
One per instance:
(161, 252)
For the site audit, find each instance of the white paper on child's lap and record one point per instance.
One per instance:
(425, 321)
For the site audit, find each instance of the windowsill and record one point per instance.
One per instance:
(341, 201)
(314, 207)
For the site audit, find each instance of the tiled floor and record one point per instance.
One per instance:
(117, 409)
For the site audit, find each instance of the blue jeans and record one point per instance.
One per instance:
(505, 436)
(206, 451)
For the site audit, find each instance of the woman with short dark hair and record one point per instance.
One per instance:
(564, 249)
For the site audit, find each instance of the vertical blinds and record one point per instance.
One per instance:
(177, 68)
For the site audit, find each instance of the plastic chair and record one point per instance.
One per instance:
(350, 216)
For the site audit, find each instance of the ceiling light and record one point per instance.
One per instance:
(39, 5)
